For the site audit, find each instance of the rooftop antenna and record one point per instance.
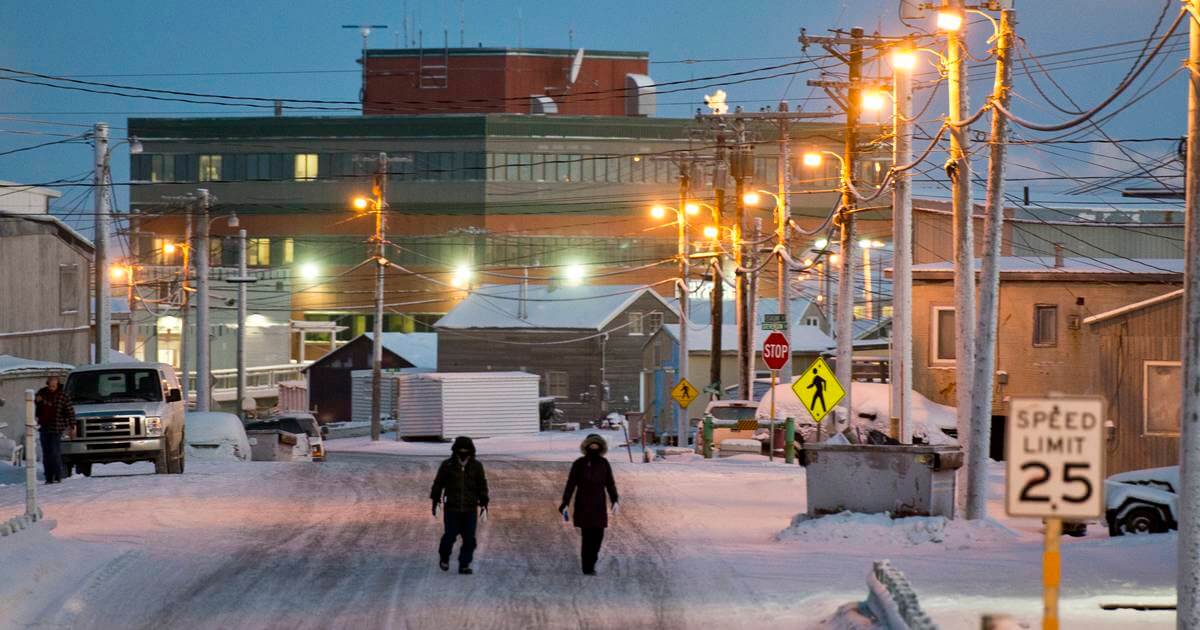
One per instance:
(365, 30)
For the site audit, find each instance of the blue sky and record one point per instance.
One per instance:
(301, 37)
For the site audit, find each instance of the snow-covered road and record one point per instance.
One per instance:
(351, 543)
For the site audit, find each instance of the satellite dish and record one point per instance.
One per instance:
(576, 66)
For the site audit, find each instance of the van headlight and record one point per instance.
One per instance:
(154, 426)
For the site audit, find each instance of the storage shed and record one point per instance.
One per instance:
(476, 404)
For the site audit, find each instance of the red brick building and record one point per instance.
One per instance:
(507, 80)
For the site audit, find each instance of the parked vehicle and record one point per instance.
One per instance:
(298, 422)
(217, 436)
(726, 415)
(1142, 501)
(126, 412)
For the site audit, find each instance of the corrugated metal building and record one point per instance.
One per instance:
(475, 404)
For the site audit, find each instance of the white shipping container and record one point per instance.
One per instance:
(476, 404)
(360, 395)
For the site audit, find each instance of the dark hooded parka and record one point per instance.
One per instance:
(591, 476)
(463, 485)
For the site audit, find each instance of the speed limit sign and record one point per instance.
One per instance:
(1055, 458)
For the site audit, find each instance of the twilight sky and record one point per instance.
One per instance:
(299, 50)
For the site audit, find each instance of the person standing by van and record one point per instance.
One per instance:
(461, 489)
(591, 476)
(55, 417)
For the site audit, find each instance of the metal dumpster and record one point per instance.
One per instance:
(904, 480)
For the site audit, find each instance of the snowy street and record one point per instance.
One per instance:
(351, 543)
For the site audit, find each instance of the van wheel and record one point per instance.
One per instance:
(84, 469)
(160, 463)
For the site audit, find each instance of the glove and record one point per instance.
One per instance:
(616, 508)
(435, 502)
(562, 509)
(483, 514)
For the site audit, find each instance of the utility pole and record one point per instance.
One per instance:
(717, 317)
(1188, 579)
(741, 282)
(203, 367)
(989, 281)
(380, 190)
(243, 278)
(681, 290)
(782, 225)
(130, 327)
(902, 239)
(103, 307)
(959, 169)
(846, 271)
(185, 306)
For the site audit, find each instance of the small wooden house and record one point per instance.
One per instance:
(584, 341)
(330, 378)
(1043, 345)
(1139, 349)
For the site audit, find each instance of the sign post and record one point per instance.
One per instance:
(1055, 470)
(775, 352)
(819, 391)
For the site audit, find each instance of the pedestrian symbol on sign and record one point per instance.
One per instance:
(818, 389)
(684, 393)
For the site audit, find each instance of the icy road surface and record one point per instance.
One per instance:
(351, 543)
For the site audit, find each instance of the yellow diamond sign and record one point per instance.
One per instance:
(818, 389)
(684, 393)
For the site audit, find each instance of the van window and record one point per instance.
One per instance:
(114, 386)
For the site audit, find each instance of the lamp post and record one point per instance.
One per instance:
(681, 290)
(100, 267)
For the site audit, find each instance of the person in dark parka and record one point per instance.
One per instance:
(591, 476)
(461, 488)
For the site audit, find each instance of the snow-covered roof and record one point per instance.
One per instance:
(1036, 264)
(588, 307)
(10, 365)
(475, 376)
(1129, 308)
(802, 338)
(419, 349)
(55, 221)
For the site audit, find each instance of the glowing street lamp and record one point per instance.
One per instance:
(574, 274)
(658, 212)
(812, 159)
(117, 272)
(873, 100)
(462, 276)
(751, 198)
(309, 271)
(711, 232)
(821, 243)
(169, 248)
(362, 203)
(949, 20)
(691, 208)
(903, 59)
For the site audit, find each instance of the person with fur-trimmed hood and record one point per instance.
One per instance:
(460, 488)
(591, 476)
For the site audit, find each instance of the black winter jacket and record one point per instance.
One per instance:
(464, 486)
(591, 476)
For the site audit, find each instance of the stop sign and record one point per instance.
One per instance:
(776, 350)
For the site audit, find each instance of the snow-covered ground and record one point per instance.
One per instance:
(698, 543)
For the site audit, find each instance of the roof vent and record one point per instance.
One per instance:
(1058, 255)
(542, 105)
(640, 97)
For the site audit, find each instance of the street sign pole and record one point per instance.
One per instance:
(774, 377)
(1055, 471)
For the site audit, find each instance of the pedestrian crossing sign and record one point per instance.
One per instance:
(818, 389)
(684, 393)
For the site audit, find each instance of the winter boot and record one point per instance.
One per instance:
(444, 565)
(465, 571)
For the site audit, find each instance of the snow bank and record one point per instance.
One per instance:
(870, 399)
(883, 531)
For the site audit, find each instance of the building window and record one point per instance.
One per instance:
(860, 311)
(812, 321)
(887, 311)
(210, 168)
(942, 336)
(68, 289)
(636, 327)
(162, 168)
(1161, 388)
(289, 250)
(557, 384)
(306, 167)
(258, 252)
(1045, 325)
(654, 321)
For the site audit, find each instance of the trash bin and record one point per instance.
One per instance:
(903, 480)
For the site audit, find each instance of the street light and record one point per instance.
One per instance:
(873, 100)
(658, 212)
(812, 159)
(574, 274)
(751, 198)
(462, 276)
(711, 232)
(948, 20)
(821, 243)
(169, 248)
(309, 271)
(691, 208)
(903, 59)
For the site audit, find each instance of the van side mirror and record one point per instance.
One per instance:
(174, 395)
